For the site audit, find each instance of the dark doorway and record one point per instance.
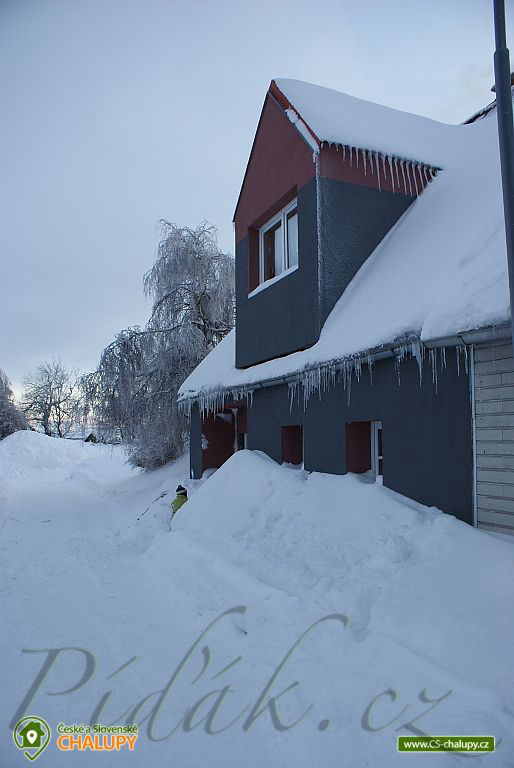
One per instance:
(292, 444)
(364, 447)
(358, 446)
(218, 436)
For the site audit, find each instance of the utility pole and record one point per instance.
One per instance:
(506, 136)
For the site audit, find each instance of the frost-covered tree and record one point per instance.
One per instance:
(51, 398)
(133, 392)
(192, 287)
(11, 418)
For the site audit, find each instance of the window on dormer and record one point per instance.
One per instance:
(273, 251)
(278, 244)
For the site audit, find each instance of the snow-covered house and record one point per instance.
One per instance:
(372, 317)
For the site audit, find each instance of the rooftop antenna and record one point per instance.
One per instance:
(503, 90)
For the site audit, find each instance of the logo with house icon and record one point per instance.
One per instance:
(32, 734)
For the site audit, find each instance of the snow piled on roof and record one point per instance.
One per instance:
(342, 119)
(441, 270)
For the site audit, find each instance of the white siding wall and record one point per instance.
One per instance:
(494, 424)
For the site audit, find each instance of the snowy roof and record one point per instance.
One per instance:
(440, 271)
(338, 118)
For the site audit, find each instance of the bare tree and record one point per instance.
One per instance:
(50, 398)
(11, 418)
(133, 392)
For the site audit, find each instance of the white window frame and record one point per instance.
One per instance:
(375, 426)
(281, 217)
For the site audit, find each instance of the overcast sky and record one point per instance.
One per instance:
(116, 113)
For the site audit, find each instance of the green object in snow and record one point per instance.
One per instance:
(180, 499)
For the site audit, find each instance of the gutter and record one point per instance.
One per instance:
(481, 336)
(396, 349)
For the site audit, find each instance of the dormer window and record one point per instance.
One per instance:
(278, 244)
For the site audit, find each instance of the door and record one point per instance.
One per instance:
(377, 456)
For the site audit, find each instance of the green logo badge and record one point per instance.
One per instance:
(31, 734)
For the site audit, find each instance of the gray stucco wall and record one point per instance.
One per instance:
(354, 220)
(283, 317)
(427, 439)
(288, 315)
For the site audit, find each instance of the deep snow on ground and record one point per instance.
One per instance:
(411, 605)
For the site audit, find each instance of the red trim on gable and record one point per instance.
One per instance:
(286, 104)
(281, 161)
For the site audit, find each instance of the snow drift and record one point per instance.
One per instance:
(426, 594)
(281, 556)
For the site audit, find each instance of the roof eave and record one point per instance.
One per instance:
(489, 334)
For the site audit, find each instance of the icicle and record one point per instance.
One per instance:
(370, 158)
(414, 171)
(364, 156)
(461, 350)
(291, 390)
(433, 364)
(384, 166)
(351, 154)
(370, 368)
(397, 362)
(402, 166)
(377, 165)
(417, 352)
(391, 169)
(344, 152)
(408, 176)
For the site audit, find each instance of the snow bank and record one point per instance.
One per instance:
(336, 538)
(421, 589)
(440, 271)
(29, 454)
(33, 455)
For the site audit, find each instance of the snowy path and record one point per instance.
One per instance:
(81, 571)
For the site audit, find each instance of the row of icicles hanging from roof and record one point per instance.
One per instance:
(372, 159)
(317, 379)
(322, 377)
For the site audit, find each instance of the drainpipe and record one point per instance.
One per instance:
(505, 135)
